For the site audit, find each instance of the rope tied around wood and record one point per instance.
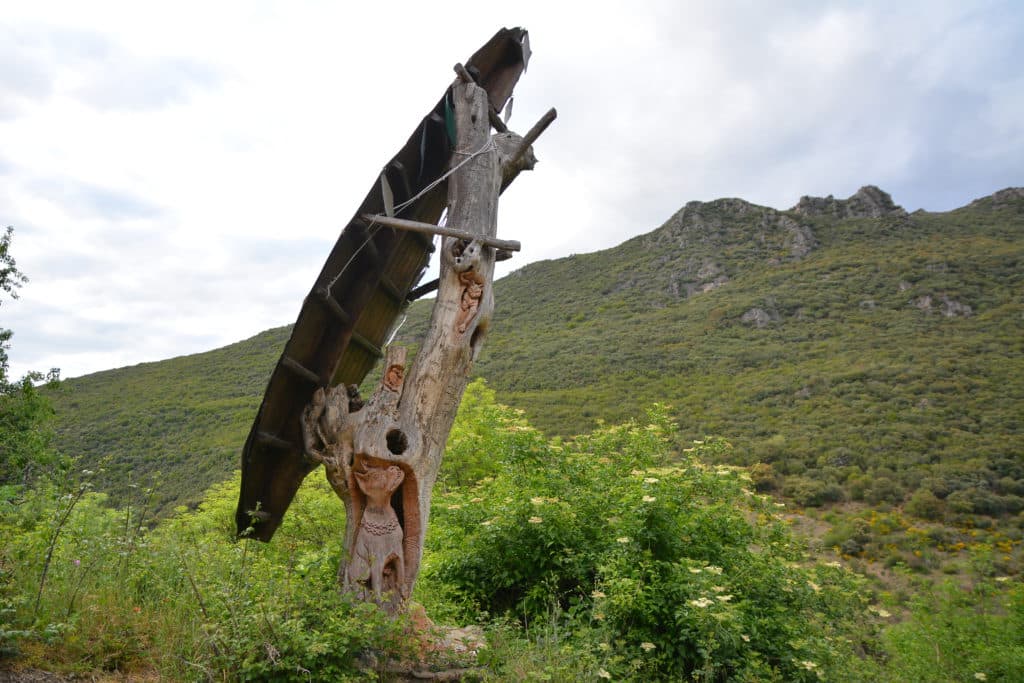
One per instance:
(374, 226)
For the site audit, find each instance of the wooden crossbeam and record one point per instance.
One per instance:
(333, 306)
(360, 340)
(300, 370)
(423, 290)
(431, 229)
(391, 289)
(274, 440)
(532, 135)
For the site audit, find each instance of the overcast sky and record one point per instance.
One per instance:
(176, 173)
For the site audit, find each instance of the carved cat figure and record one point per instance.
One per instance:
(377, 562)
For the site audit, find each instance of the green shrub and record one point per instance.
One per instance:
(186, 598)
(661, 567)
(955, 635)
(883, 490)
(926, 505)
(807, 492)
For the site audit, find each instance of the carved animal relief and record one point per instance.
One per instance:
(365, 452)
(376, 567)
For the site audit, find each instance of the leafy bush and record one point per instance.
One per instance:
(661, 566)
(956, 634)
(186, 598)
(807, 492)
(926, 505)
(883, 490)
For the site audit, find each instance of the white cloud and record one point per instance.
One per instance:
(177, 174)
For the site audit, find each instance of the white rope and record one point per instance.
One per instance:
(395, 332)
(487, 147)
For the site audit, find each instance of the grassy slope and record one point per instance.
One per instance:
(850, 379)
(185, 417)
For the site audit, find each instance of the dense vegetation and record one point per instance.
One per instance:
(859, 353)
(180, 422)
(848, 385)
(25, 413)
(679, 571)
(865, 365)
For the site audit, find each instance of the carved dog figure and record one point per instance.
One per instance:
(378, 561)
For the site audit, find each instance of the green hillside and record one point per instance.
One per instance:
(185, 418)
(862, 352)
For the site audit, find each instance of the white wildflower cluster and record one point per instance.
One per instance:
(884, 613)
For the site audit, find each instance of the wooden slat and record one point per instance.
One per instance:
(273, 440)
(365, 343)
(333, 306)
(391, 289)
(301, 370)
(364, 245)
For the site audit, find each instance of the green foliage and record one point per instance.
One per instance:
(25, 414)
(472, 451)
(11, 280)
(853, 381)
(661, 567)
(185, 598)
(926, 505)
(610, 555)
(26, 435)
(185, 418)
(956, 634)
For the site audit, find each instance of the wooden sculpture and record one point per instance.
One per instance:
(382, 456)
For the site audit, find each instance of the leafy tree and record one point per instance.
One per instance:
(11, 280)
(25, 414)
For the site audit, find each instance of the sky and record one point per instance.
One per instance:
(176, 173)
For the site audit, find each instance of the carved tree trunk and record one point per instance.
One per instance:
(382, 458)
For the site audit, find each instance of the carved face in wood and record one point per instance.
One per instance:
(378, 483)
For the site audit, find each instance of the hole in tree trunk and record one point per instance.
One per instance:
(397, 442)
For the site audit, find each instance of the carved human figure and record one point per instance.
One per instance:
(376, 568)
(472, 292)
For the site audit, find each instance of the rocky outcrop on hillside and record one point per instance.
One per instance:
(951, 308)
(704, 242)
(759, 317)
(868, 202)
(1000, 200)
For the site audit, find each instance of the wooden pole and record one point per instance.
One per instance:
(382, 458)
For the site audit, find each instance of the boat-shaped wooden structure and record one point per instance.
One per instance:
(360, 292)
